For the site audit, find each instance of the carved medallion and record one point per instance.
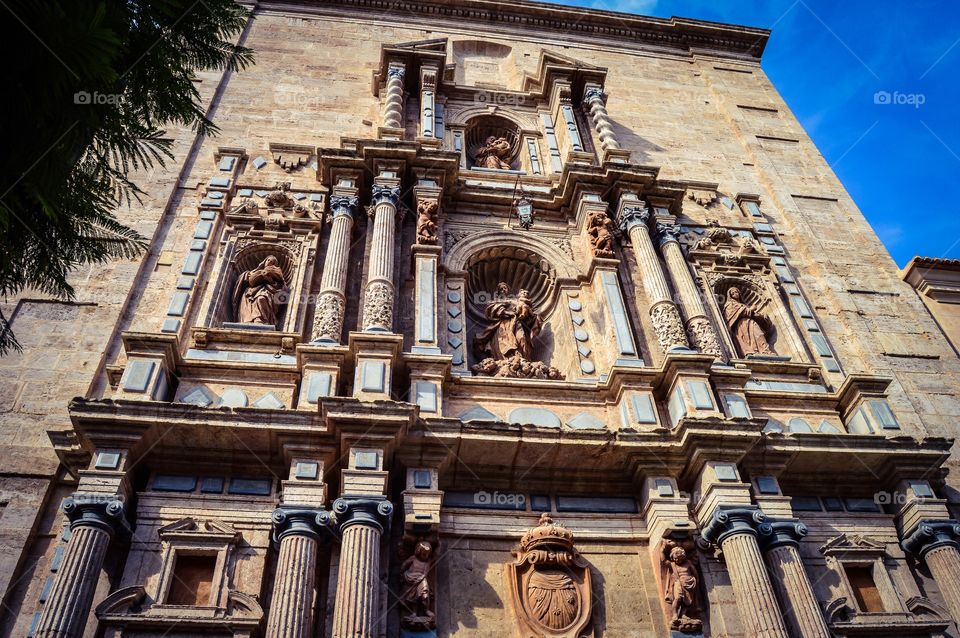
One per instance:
(549, 585)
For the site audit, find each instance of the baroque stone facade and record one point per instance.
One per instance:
(617, 376)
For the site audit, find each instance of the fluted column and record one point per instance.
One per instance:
(782, 554)
(667, 324)
(937, 543)
(379, 293)
(328, 318)
(298, 531)
(92, 525)
(593, 97)
(362, 522)
(735, 531)
(699, 328)
(393, 105)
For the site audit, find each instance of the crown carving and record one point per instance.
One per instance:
(547, 534)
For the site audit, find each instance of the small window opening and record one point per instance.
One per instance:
(192, 580)
(864, 588)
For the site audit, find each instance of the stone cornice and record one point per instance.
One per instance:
(565, 22)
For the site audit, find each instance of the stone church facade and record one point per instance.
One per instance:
(485, 319)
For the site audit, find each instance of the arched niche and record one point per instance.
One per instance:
(482, 128)
(249, 257)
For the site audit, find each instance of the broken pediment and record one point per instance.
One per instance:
(193, 530)
(852, 546)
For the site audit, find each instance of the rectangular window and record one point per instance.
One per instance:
(192, 579)
(864, 588)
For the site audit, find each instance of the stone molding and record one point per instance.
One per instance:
(361, 510)
(301, 521)
(931, 534)
(95, 510)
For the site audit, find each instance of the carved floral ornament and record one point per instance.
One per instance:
(548, 585)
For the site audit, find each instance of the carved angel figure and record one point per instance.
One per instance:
(598, 229)
(415, 586)
(680, 587)
(746, 325)
(426, 226)
(256, 296)
(493, 153)
(514, 325)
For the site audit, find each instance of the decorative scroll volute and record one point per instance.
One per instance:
(548, 586)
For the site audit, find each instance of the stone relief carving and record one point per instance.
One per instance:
(748, 327)
(548, 585)
(668, 327)
(427, 221)
(702, 197)
(679, 586)
(328, 322)
(257, 296)
(416, 590)
(506, 344)
(703, 337)
(452, 237)
(598, 230)
(493, 153)
(378, 306)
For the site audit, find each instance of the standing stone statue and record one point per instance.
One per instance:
(746, 325)
(415, 593)
(680, 580)
(493, 153)
(506, 344)
(256, 298)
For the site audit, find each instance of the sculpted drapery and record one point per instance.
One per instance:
(745, 325)
(493, 153)
(514, 325)
(256, 297)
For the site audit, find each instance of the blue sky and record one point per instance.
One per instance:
(829, 58)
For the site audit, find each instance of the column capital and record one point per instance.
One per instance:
(300, 521)
(633, 214)
(95, 510)
(668, 232)
(930, 535)
(385, 194)
(592, 94)
(343, 205)
(363, 510)
(396, 70)
(783, 532)
(730, 520)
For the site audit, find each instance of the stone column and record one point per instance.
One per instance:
(298, 531)
(379, 293)
(328, 318)
(632, 220)
(699, 328)
(735, 531)
(92, 525)
(800, 607)
(593, 98)
(393, 104)
(937, 543)
(362, 522)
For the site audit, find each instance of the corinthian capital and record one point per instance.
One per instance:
(632, 215)
(593, 93)
(343, 205)
(383, 194)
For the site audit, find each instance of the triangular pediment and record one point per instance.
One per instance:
(190, 528)
(553, 64)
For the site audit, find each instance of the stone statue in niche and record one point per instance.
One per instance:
(493, 153)
(416, 593)
(679, 582)
(506, 344)
(598, 230)
(257, 295)
(549, 586)
(426, 221)
(748, 327)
